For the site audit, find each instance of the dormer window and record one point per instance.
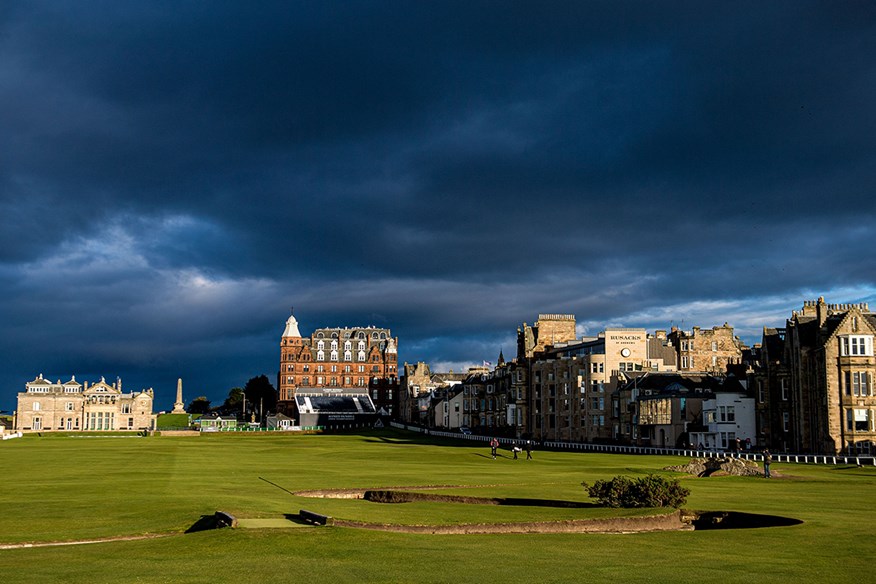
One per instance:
(856, 346)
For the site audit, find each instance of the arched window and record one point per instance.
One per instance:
(348, 356)
(320, 356)
(320, 345)
(360, 356)
(348, 345)
(334, 345)
(334, 355)
(361, 345)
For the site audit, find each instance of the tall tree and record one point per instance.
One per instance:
(261, 394)
(233, 404)
(199, 405)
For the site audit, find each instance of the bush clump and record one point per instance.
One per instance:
(650, 491)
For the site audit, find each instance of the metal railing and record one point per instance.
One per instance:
(686, 452)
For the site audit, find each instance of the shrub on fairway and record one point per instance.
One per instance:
(650, 491)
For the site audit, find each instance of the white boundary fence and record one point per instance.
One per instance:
(690, 453)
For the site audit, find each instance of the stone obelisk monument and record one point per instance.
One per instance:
(178, 406)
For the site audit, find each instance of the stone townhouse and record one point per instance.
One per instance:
(417, 388)
(823, 380)
(45, 406)
(706, 350)
(570, 380)
(675, 409)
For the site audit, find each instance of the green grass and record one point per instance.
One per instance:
(174, 421)
(69, 488)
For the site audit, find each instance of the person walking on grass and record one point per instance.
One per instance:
(767, 460)
(494, 444)
(529, 450)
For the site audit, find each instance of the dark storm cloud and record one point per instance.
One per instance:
(173, 176)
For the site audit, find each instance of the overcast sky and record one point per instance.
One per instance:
(175, 175)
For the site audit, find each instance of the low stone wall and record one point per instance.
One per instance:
(189, 433)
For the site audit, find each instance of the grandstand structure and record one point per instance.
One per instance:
(329, 407)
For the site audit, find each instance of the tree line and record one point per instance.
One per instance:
(260, 399)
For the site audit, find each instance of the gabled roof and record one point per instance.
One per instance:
(101, 387)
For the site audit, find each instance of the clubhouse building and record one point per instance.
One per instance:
(71, 407)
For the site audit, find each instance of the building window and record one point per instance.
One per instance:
(68, 407)
(858, 420)
(320, 356)
(320, 345)
(786, 421)
(348, 355)
(36, 408)
(37, 424)
(727, 413)
(860, 383)
(714, 345)
(784, 384)
(856, 345)
(360, 356)
(684, 361)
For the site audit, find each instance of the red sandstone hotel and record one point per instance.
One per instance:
(360, 358)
